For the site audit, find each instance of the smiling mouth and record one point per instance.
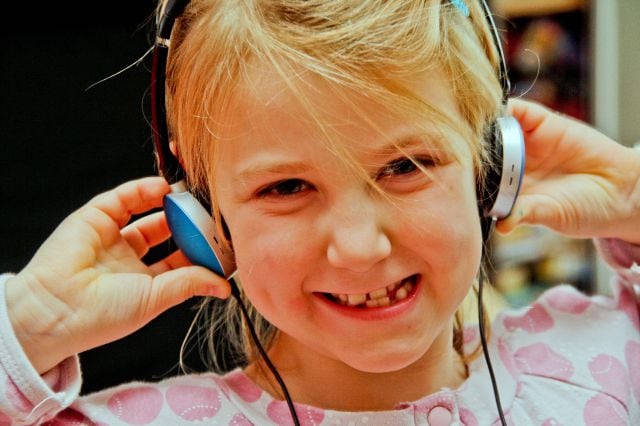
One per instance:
(385, 296)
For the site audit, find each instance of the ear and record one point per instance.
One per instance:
(173, 147)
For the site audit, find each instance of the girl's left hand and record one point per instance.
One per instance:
(577, 181)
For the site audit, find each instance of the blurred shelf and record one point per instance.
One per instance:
(524, 245)
(518, 8)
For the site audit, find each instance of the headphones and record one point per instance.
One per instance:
(194, 230)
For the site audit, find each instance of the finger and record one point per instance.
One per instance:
(133, 197)
(542, 125)
(174, 287)
(511, 222)
(529, 114)
(534, 209)
(146, 232)
(175, 260)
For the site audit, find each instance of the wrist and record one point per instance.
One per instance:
(36, 326)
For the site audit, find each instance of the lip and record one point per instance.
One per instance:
(378, 313)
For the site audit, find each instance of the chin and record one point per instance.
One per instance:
(378, 362)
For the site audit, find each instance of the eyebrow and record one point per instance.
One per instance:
(272, 167)
(405, 142)
(266, 167)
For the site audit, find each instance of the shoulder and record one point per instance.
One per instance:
(232, 398)
(574, 325)
(568, 343)
(221, 399)
(565, 310)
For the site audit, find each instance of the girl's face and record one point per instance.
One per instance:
(314, 241)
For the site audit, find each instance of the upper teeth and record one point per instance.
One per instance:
(381, 297)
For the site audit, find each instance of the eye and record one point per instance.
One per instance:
(404, 166)
(284, 188)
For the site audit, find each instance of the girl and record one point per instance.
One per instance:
(341, 146)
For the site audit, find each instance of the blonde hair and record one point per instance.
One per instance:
(374, 47)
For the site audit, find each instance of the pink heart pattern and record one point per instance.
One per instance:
(611, 375)
(539, 359)
(243, 386)
(602, 410)
(568, 300)
(193, 403)
(136, 406)
(278, 411)
(534, 320)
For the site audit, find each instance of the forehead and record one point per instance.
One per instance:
(293, 114)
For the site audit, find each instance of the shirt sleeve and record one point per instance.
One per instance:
(26, 397)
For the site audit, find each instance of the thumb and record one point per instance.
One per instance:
(177, 285)
(527, 210)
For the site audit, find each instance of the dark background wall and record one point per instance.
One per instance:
(63, 142)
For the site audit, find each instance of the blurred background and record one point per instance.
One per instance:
(68, 135)
(579, 57)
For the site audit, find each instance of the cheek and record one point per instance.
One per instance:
(448, 233)
(268, 244)
(272, 257)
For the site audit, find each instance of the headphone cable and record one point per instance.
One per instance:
(485, 350)
(254, 336)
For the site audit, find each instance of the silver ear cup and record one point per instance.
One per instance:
(513, 162)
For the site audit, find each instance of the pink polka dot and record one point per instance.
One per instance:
(632, 355)
(70, 417)
(551, 422)
(467, 418)
(535, 320)
(602, 410)
(629, 306)
(611, 375)
(137, 406)
(539, 359)
(240, 420)
(569, 301)
(16, 398)
(243, 386)
(193, 403)
(278, 411)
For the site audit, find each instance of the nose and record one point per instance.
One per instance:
(358, 238)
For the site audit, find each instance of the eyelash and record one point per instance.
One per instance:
(292, 187)
(391, 169)
(276, 189)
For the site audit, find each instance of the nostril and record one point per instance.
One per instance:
(358, 254)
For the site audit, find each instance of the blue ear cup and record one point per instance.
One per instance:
(195, 233)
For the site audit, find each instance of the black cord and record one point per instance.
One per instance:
(254, 336)
(485, 350)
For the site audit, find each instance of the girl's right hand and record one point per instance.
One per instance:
(87, 286)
